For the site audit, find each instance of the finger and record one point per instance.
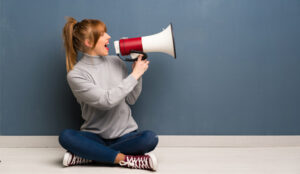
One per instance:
(146, 62)
(140, 57)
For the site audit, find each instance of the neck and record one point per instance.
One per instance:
(92, 59)
(92, 53)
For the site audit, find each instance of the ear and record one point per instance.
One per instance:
(87, 43)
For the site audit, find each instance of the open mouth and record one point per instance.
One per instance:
(106, 46)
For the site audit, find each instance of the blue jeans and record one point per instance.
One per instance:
(91, 146)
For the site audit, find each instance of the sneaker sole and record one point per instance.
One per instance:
(154, 161)
(66, 159)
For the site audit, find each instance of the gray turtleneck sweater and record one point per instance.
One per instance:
(104, 89)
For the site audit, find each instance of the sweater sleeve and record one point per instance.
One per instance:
(132, 97)
(86, 91)
(135, 93)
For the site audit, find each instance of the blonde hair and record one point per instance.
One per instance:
(74, 35)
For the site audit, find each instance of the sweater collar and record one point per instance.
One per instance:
(92, 60)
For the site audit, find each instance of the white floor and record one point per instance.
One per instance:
(264, 160)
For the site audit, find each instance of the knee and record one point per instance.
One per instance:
(150, 140)
(64, 137)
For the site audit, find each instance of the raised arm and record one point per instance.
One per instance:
(139, 67)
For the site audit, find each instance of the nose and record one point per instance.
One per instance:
(108, 36)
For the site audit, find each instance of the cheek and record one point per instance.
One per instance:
(99, 47)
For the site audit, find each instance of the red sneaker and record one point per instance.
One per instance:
(71, 160)
(147, 161)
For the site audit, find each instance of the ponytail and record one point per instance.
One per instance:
(71, 52)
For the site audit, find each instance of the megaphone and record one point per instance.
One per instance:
(159, 42)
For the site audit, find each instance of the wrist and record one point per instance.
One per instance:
(135, 75)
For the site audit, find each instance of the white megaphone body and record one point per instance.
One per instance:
(160, 42)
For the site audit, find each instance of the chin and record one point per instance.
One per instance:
(103, 54)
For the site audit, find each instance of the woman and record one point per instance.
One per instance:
(103, 88)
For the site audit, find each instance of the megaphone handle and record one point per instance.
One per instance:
(130, 60)
(145, 56)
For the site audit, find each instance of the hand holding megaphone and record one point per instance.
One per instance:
(139, 67)
(160, 42)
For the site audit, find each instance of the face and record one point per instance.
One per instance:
(101, 48)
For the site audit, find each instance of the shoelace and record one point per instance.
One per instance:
(78, 160)
(136, 162)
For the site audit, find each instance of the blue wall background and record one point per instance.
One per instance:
(236, 73)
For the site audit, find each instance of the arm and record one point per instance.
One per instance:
(135, 93)
(132, 97)
(86, 91)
